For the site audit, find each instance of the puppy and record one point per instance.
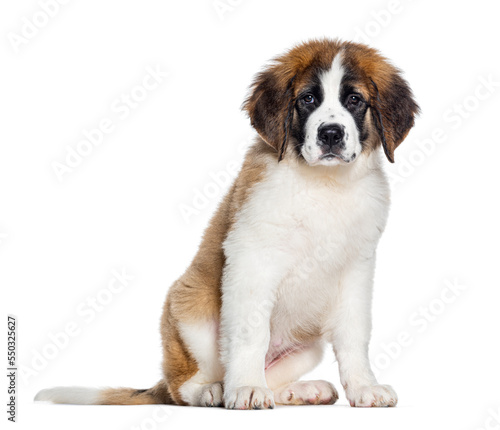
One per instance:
(286, 264)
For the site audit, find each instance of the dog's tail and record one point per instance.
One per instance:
(107, 396)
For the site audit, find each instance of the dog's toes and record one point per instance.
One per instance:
(307, 393)
(211, 395)
(249, 398)
(372, 396)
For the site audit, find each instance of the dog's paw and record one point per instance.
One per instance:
(307, 393)
(211, 395)
(249, 398)
(372, 396)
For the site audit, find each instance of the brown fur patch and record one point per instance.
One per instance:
(275, 88)
(389, 94)
(129, 396)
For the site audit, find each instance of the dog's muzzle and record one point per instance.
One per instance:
(331, 141)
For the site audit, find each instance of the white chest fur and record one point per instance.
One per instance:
(299, 229)
(309, 214)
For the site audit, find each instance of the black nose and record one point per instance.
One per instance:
(331, 134)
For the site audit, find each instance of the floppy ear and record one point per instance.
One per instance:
(270, 107)
(393, 111)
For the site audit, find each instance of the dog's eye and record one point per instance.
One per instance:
(353, 100)
(308, 99)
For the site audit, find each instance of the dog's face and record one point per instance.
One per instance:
(330, 118)
(331, 101)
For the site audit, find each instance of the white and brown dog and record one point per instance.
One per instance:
(287, 262)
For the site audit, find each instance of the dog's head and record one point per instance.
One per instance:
(331, 100)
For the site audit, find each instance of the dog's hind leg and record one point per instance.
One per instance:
(191, 363)
(204, 388)
(283, 378)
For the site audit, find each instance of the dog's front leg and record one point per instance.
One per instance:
(250, 280)
(350, 326)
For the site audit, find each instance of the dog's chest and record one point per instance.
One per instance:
(317, 217)
(321, 226)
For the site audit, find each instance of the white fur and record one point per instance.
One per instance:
(69, 395)
(202, 340)
(202, 389)
(331, 111)
(301, 253)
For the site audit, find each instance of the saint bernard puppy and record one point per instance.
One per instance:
(286, 264)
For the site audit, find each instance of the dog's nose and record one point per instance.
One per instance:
(331, 134)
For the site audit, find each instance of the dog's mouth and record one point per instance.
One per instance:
(328, 156)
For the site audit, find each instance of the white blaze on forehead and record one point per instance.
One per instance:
(331, 81)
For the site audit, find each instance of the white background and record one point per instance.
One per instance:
(121, 206)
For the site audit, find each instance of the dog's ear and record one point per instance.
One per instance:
(393, 110)
(271, 105)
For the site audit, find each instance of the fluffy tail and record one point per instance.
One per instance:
(106, 396)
